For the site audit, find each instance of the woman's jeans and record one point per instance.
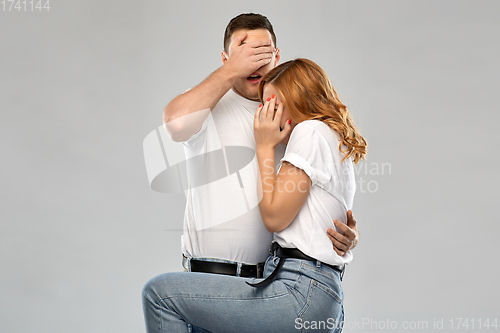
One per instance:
(306, 296)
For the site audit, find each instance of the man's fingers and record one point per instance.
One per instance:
(261, 43)
(265, 55)
(263, 62)
(340, 253)
(351, 221)
(348, 232)
(261, 56)
(339, 237)
(262, 59)
(340, 240)
(263, 50)
(337, 246)
(239, 39)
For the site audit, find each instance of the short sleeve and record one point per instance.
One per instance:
(308, 150)
(198, 137)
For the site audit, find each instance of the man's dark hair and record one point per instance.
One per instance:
(250, 21)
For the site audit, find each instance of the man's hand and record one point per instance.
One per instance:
(348, 241)
(246, 57)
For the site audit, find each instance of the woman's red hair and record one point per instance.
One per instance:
(309, 94)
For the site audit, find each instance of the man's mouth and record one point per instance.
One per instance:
(254, 78)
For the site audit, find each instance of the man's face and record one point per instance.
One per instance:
(248, 87)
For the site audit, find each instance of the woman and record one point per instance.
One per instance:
(315, 185)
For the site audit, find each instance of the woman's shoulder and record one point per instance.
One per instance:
(318, 127)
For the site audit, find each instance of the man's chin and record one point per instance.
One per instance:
(254, 98)
(251, 93)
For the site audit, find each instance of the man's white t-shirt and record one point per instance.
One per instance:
(222, 218)
(314, 148)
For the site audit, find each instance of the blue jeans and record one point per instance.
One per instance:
(306, 296)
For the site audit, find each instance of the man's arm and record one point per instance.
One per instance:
(244, 60)
(348, 241)
(190, 109)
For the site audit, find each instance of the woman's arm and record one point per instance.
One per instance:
(282, 195)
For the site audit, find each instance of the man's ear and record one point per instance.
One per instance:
(224, 57)
(277, 57)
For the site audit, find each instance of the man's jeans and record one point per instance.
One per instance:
(186, 263)
(306, 296)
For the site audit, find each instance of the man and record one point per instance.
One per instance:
(223, 230)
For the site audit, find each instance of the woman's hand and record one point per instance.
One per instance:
(267, 124)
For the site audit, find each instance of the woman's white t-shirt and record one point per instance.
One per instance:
(314, 148)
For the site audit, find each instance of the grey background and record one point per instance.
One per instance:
(82, 85)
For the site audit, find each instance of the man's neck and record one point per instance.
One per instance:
(245, 97)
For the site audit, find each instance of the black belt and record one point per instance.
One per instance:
(284, 253)
(214, 267)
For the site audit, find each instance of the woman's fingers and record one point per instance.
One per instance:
(257, 115)
(267, 123)
(279, 112)
(267, 113)
(270, 108)
(263, 115)
(286, 130)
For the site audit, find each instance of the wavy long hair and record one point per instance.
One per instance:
(309, 94)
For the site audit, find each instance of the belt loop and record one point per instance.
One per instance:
(186, 262)
(274, 248)
(238, 269)
(342, 273)
(318, 264)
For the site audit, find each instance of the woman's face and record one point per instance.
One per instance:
(269, 91)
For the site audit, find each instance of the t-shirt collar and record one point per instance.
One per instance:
(251, 106)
